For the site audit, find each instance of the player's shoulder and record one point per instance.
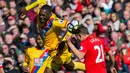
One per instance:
(30, 49)
(58, 21)
(93, 39)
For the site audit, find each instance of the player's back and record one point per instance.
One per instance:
(94, 58)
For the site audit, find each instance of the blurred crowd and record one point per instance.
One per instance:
(108, 19)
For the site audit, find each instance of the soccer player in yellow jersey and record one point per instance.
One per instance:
(36, 58)
(50, 26)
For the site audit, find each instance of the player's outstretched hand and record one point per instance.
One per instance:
(113, 70)
(26, 69)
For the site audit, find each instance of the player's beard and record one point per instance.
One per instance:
(44, 20)
(40, 46)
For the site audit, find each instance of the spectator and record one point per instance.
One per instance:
(26, 31)
(9, 39)
(126, 16)
(74, 4)
(104, 18)
(97, 13)
(1, 42)
(118, 8)
(11, 22)
(54, 3)
(30, 25)
(107, 5)
(98, 28)
(21, 59)
(123, 3)
(91, 8)
(69, 10)
(128, 25)
(115, 20)
(2, 25)
(23, 44)
(5, 50)
(15, 33)
(77, 16)
(12, 4)
(122, 27)
(125, 53)
(1, 12)
(127, 6)
(13, 12)
(58, 11)
(10, 66)
(122, 30)
(5, 14)
(32, 41)
(88, 22)
(127, 33)
(66, 15)
(32, 15)
(27, 2)
(3, 3)
(115, 38)
(84, 11)
(60, 2)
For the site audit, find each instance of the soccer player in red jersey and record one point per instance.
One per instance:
(92, 50)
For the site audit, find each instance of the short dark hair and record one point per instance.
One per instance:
(24, 26)
(46, 7)
(6, 62)
(81, 30)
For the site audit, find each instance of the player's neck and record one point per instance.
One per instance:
(84, 37)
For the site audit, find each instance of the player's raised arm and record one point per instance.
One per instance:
(79, 54)
(38, 3)
(34, 4)
(81, 33)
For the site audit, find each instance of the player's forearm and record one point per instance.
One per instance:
(31, 6)
(34, 4)
(79, 54)
(111, 58)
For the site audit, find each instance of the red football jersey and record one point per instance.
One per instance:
(94, 49)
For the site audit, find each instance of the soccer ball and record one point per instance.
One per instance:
(73, 25)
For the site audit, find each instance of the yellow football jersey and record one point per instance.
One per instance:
(36, 59)
(52, 31)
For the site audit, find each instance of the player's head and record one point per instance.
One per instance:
(45, 13)
(40, 42)
(81, 32)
